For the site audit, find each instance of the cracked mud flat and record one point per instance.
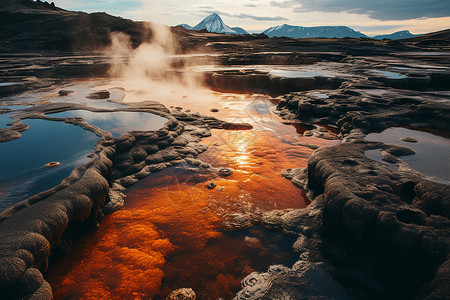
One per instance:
(369, 232)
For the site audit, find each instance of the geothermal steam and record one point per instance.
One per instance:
(147, 72)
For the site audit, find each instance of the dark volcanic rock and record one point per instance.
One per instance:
(99, 95)
(182, 294)
(211, 185)
(63, 93)
(409, 140)
(305, 280)
(367, 213)
(364, 104)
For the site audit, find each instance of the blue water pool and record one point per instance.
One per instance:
(390, 75)
(8, 83)
(22, 172)
(117, 123)
(432, 157)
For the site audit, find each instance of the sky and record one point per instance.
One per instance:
(368, 16)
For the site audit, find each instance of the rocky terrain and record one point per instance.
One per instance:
(371, 232)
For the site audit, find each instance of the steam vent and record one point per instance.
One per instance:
(143, 161)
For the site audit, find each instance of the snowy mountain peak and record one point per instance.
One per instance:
(214, 23)
(313, 32)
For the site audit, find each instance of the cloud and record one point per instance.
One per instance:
(282, 4)
(247, 16)
(378, 27)
(376, 9)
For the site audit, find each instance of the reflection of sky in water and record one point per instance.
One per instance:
(117, 123)
(376, 155)
(320, 95)
(297, 74)
(432, 157)
(8, 83)
(80, 92)
(282, 71)
(22, 172)
(375, 92)
(5, 119)
(390, 75)
(14, 107)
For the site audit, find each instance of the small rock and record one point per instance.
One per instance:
(52, 164)
(225, 172)
(64, 93)
(214, 110)
(127, 181)
(205, 166)
(400, 151)
(182, 294)
(104, 94)
(211, 185)
(409, 140)
(307, 145)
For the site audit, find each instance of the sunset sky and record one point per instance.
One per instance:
(370, 17)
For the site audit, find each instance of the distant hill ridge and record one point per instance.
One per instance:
(286, 30)
(214, 23)
(21, 4)
(404, 34)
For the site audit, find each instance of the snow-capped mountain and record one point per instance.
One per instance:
(214, 23)
(313, 32)
(404, 34)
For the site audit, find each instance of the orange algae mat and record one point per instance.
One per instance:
(170, 232)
